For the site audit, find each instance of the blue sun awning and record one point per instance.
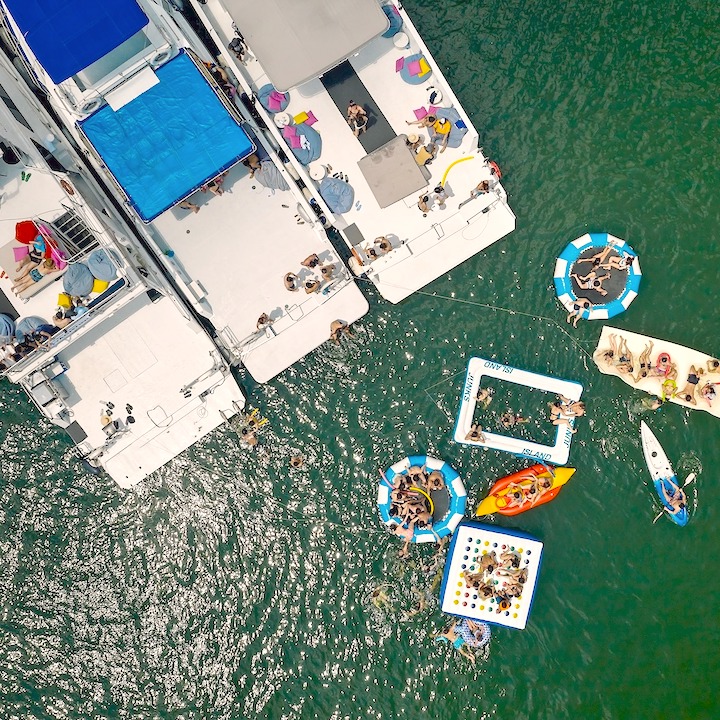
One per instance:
(168, 141)
(68, 35)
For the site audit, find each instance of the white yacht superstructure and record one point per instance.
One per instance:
(321, 55)
(169, 135)
(130, 375)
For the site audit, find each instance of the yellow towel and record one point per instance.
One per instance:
(424, 67)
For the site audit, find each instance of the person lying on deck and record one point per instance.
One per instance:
(708, 393)
(688, 392)
(427, 122)
(645, 362)
(32, 275)
(599, 258)
(591, 281)
(252, 163)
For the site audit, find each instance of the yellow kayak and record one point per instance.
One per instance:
(498, 502)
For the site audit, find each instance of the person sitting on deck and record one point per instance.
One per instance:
(423, 204)
(476, 434)
(383, 244)
(264, 321)
(713, 365)
(580, 305)
(311, 261)
(515, 495)
(312, 285)
(435, 481)
(252, 163)
(291, 281)
(688, 392)
(480, 189)
(591, 281)
(327, 271)
(214, 185)
(677, 500)
(357, 118)
(441, 132)
(538, 488)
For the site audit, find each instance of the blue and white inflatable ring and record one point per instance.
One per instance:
(601, 268)
(448, 504)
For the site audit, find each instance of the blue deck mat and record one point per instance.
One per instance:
(169, 141)
(69, 35)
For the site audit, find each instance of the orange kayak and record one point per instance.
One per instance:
(497, 500)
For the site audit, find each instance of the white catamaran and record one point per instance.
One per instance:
(371, 126)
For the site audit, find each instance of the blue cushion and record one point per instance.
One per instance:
(101, 266)
(27, 326)
(307, 155)
(396, 21)
(337, 194)
(78, 280)
(457, 131)
(7, 328)
(263, 95)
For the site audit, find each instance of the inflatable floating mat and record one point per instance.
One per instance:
(558, 453)
(471, 541)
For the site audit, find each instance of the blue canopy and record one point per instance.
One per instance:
(169, 141)
(67, 36)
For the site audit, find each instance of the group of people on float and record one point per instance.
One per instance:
(506, 570)
(619, 357)
(409, 501)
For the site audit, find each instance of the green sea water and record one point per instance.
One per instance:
(230, 586)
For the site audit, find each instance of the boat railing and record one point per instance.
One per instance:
(15, 48)
(66, 335)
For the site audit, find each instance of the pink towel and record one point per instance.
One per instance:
(399, 64)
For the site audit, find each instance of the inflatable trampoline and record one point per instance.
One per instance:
(601, 268)
(491, 575)
(557, 453)
(447, 506)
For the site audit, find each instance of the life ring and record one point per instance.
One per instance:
(67, 187)
(161, 57)
(664, 361)
(91, 106)
(494, 168)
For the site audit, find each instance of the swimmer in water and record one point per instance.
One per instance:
(380, 599)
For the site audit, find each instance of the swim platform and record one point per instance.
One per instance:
(557, 453)
(679, 355)
(621, 285)
(448, 505)
(472, 540)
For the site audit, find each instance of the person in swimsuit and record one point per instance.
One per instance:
(406, 533)
(557, 417)
(337, 328)
(33, 275)
(708, 393)
(713, 365)
(688, 392)
(618, 262)
(591, 281)
(382, 245)
(645, 364)
(465, 634)
(264, 321)
(476, 434)
(423, 204)
(599, 258)
(311, 261)
(485, 396)
(538, 488)
(608, 356)
(515, 495)
(357, 118)
(624, 361)
(579, 306)
(435, 480)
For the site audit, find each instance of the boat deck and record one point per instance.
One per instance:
(425, 245)
(156, 367)
(233, 255)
